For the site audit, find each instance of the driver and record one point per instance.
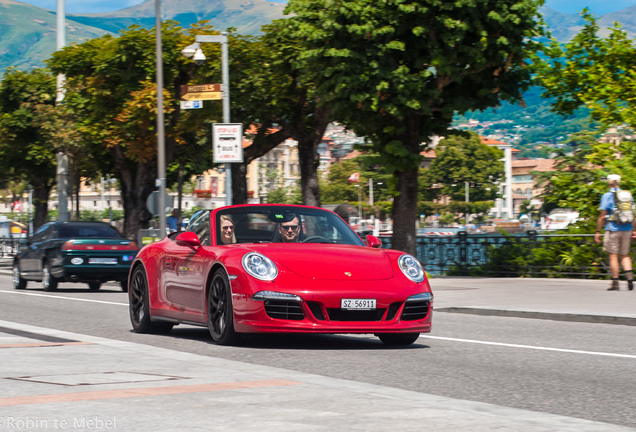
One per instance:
(289, 231)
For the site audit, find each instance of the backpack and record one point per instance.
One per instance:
(623, 207)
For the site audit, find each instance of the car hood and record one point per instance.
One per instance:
(331, 262)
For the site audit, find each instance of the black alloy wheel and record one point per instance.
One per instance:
(49, 282)
(219, 310)
(18, 281)
(139, 306)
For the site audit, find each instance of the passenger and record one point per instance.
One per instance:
(290, 231)
(227, 230)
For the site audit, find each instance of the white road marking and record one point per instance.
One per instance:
(540, 348)
(63, 298)
(508, 345)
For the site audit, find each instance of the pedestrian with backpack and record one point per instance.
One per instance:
(617, 213)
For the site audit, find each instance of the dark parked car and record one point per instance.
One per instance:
(89, 252)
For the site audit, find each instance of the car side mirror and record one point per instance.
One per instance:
(373, 242)
(189, 239)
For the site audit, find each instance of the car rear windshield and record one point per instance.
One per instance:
(101, 231)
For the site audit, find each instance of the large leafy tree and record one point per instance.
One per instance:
(462, 157)
(26, 151)
(111, 88)
(597, 73)
(272, 91)
(396, 71)
(593, 72)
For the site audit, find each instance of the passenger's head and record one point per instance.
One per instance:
(290, 230)
(227, 230)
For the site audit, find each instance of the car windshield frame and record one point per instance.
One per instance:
(259, 224)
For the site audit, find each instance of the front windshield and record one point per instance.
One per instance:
(278, 224)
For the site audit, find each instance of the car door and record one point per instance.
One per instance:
(184, 270)
(31, 256)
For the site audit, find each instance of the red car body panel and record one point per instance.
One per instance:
(320, 274)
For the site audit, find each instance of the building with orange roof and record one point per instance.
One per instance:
(525, 186)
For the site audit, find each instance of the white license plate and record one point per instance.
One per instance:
(102, 260)
(357, 304)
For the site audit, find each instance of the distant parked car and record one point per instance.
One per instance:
(89, 252)
(559, 218)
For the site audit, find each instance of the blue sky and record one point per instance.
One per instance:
(599, 7)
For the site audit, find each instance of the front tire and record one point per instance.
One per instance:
(18, 281)
(49, 282)
(219, 310)
(124, 285)
(139, 306)
(94, 286)
(398, 338)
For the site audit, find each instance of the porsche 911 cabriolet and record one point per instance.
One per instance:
(269, 268)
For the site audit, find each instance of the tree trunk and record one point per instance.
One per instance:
(309, 161)
(405, 202)
(308, 140)
(41, 192)
(405, 212)
(262, 143)
(239, 183)
(137, 182)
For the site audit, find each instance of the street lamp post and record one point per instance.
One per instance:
(195, 50)
(161, 142)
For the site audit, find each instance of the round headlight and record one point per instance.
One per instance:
(411, 268)
(259, 266)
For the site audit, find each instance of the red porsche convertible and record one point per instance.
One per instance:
(278, 268)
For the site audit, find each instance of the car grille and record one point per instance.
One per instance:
(355, 315)
(316, 310)
(415, 310)
(284, 309)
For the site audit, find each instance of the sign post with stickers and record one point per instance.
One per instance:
(227, 142)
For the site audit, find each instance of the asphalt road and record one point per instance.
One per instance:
(579, 370)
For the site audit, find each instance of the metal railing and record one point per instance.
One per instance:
(9, 247)
(528, 254)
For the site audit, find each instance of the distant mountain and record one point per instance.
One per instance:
(28, 33)
(29, 36)
(565, 26)
(247, 16)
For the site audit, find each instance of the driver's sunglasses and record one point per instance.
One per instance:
(227, 228)
(290, 227)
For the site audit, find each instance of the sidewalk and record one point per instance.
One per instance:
(581, 300)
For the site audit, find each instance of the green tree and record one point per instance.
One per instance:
(26, 151)
(580, 174)
(462, 157)
(396, 71)
(592, 72)
(272, 91)
(337, 188)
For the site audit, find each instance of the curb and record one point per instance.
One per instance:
(554, 316)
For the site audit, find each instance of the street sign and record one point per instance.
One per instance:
(191, 104)
(201, 92)
(152, 203)
(227, 142)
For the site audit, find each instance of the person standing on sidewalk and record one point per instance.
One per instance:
(618, 236)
